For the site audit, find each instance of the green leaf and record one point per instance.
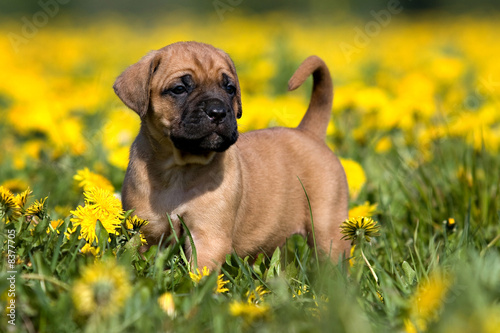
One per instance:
(410, 273)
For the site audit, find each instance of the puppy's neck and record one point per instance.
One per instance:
(182, 158)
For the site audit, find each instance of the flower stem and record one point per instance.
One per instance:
(370, 267)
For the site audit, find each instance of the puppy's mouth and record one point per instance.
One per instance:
(199, 145)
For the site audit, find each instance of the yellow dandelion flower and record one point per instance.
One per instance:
(88, 180)
(143, 239)
(196, 277)
(383, 145)
(37, 208)
(249, 311)
(89, 249)
(8, 202)
(363, 210)
(54, 224)
(257, 295)
(104, 201)
(360, 226)
(102, 289)
(135, 222)
(166, 303)
(15, 184)
(427, 301)
(221, 285)
(87, 217)
(22, 198)
(356, 177)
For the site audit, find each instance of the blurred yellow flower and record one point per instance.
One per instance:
(363, 210)
(166, 303)
(356, 177)
(427, 301)
(88, 179)
(383, 145)
(102, 289)
(249, 311)
(15, 184)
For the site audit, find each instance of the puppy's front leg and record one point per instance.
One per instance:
(210, 251)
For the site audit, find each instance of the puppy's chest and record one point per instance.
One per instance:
(179, 190)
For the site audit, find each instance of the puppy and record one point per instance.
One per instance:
(240, 193)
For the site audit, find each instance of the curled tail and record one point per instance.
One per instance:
(319, 111)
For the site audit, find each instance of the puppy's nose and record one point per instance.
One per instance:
(216, 111)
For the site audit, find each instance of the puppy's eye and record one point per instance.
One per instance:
(230, 89)
(178, 90)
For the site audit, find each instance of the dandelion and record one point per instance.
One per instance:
(135, 223)
(249, 311)
(166, 303)
(89, 249)
(356, 177)
(257, 295)
(143, 239)
(102, 289)
(363, 210)
(54, 225)
(22, 198)
(87, 217)
(37, 208)
(450, 224)
(8, 202)
(196, 277)
(88, 180)
(427, 302)
(15, 185)
(221, 285)
(360, 228)
(104, 201)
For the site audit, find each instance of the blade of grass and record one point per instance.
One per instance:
(312, 223)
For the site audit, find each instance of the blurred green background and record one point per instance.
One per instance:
(308, 7)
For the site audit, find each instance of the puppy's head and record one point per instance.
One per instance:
(187, 93)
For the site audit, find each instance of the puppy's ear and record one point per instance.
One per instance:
(133, 85)
(239, 110)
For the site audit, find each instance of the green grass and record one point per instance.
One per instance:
(414, 203)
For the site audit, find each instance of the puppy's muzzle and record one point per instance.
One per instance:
(215, 110)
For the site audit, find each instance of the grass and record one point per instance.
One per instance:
(416, 242)
(436, 260)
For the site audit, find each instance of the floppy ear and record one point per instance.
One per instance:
(132, 86)
(239, 110)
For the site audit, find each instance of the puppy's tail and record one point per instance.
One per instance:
(319, 111)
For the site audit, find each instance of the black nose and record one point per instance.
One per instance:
(216, 111)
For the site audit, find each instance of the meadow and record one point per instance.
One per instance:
(416, 123)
